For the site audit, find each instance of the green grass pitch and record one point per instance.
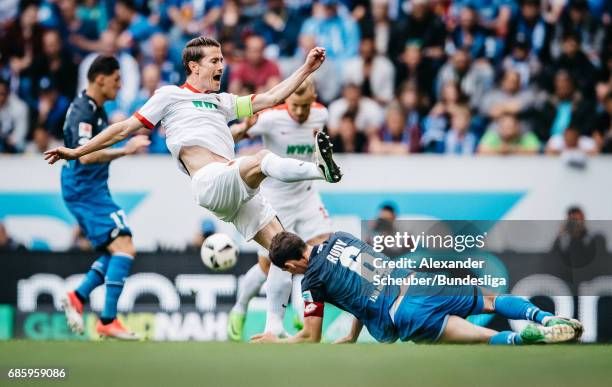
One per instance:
(112, 363)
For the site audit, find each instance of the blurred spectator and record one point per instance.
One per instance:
(575, 244)
(57, 65)
(577, 21)
(377, 24)
(21, 48)
(395, 137)
(373, 72)
(281, 26)
(347, 138)
(159, 55)
(494, 15)
(326, 78)
(473, 78)
(571, 141)
(530, 30)
(80, 35)
(130, 73)
(369, 116)
(413, 68)
(438, 119)
(255, 71)
(52, 108)
(459, 139)
(508, 138)
(468, 34)
(136, 28)
(508, 99)
(564, 107)
(13, 120)
(7, 243)
(411, 103)
(576, 63)
(422, 25)
(336, 31)
(523, 61)
(41, 142)
(603, 133)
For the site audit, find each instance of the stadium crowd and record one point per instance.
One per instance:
(437, 76)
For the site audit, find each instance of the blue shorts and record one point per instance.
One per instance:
(100, 219)
(424, 311)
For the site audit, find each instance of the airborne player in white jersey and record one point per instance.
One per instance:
(287, 130)
(196, 119)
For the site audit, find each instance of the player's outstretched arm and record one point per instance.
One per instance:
(280, 92)
(109, 136)
(353, 334)
(134, 145)
(311, 333)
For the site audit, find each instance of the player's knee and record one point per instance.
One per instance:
(124, 245)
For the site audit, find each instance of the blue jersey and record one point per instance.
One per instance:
(85, 186)
(84, 120)
(340, 272)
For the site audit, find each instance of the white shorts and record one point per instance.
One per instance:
(308, 220)
(219, 188)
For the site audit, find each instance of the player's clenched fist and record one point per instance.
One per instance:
(315, 58)
(136, 144)
(60, 153)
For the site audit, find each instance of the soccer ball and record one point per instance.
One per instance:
(219, 252)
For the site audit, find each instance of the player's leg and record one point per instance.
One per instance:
(459, 330)
(72, 302)
(122, 256)
(248, 287)
(519, 308)
(253, 169)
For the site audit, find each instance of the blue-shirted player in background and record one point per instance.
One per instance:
(334, 272)
(86, 194)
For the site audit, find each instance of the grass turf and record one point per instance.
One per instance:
(175, 364)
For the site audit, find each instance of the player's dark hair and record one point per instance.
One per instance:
(193, 50)
(286, 246)
(105, 65)
(129, 4)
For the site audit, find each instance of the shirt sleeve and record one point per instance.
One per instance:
(153, 110)
(314, 303)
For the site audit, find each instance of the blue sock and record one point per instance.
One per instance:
(506, 338)
(118, 270)
(93, 278)
(518, 308)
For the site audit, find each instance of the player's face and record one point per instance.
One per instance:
(111, 85)
(210, 69)
(299, 106)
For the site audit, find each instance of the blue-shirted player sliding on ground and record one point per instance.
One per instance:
(333, 273)
(86, 194)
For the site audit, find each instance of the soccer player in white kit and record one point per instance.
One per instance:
(196, 120)
(287, 130)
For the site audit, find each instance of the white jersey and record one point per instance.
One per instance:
(284, 136)
(192, 118)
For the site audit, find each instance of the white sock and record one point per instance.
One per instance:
(277, 297)
(289, 170)
(297, 302)
(248, 288)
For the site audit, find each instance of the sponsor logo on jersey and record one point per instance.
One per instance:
(300, 149)
(307, 296)
(204, 105)
(85, 129)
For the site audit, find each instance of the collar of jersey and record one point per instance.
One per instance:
(191, 88)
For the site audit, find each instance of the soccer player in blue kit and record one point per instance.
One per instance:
(336, 272)
(86, 194)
